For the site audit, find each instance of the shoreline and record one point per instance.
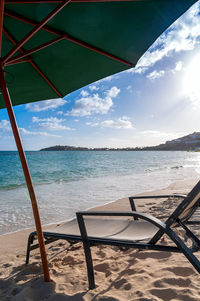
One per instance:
(12, 242)
(105, 205)
(101, 179)
(118, 273)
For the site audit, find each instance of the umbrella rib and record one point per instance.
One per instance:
(24, 60)
(52, 14)
(45, 78)
(67, 37)
(30, 60)
(1, 22)
(16, 58)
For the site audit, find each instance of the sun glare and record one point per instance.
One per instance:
(192, 80)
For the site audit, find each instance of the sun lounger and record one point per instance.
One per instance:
(69, 231)
(129, 229)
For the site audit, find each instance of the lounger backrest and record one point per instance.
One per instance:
(187, 207)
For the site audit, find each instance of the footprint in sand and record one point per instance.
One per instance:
(164, 294)
(129, 272)
(102, 267)
(101, 254)
(139, 293)
(187, 297)
(68, 260)
(54, 271)
(127, 286)
(153, 255)
(179, 282)
(55, 249)
(61, 244)
(181, 271)
(6, 265)
(119, 283)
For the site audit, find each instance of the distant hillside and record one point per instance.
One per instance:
(63, 148)
(186, 143)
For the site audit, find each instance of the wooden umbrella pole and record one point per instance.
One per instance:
(27, 174)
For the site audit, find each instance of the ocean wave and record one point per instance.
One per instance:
(163, 168)
(12, 186)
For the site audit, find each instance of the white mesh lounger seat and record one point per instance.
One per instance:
(109, 228)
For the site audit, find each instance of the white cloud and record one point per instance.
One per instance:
(36, 133)
(113, 92)
(92, 124)
(183, 35)
(120, 123)
(178, 66)
(5, 126)
(49, 119)
(60, 113)
(162, 137)
(129, 88)
(93, 88)
(84, 93)
(155, 74)
(51, 123)
(137, 70)
(151, 132)
(94, 104)
(45, 105)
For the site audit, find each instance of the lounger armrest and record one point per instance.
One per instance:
(132, 198)
(158, 196)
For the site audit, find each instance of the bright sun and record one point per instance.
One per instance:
(192, 80)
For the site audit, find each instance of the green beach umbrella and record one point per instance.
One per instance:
(84, 41)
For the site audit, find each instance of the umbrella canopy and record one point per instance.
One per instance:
(84, 42)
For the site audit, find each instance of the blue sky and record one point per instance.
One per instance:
(158, 100)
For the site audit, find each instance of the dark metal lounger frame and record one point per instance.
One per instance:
(52, 236)
(163, 228)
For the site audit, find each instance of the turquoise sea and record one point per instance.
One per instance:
(68, 181)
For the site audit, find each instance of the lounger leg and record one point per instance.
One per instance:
(30, 241)
(90, 270)
(86, 246)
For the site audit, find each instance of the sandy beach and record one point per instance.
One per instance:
(120, 274)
